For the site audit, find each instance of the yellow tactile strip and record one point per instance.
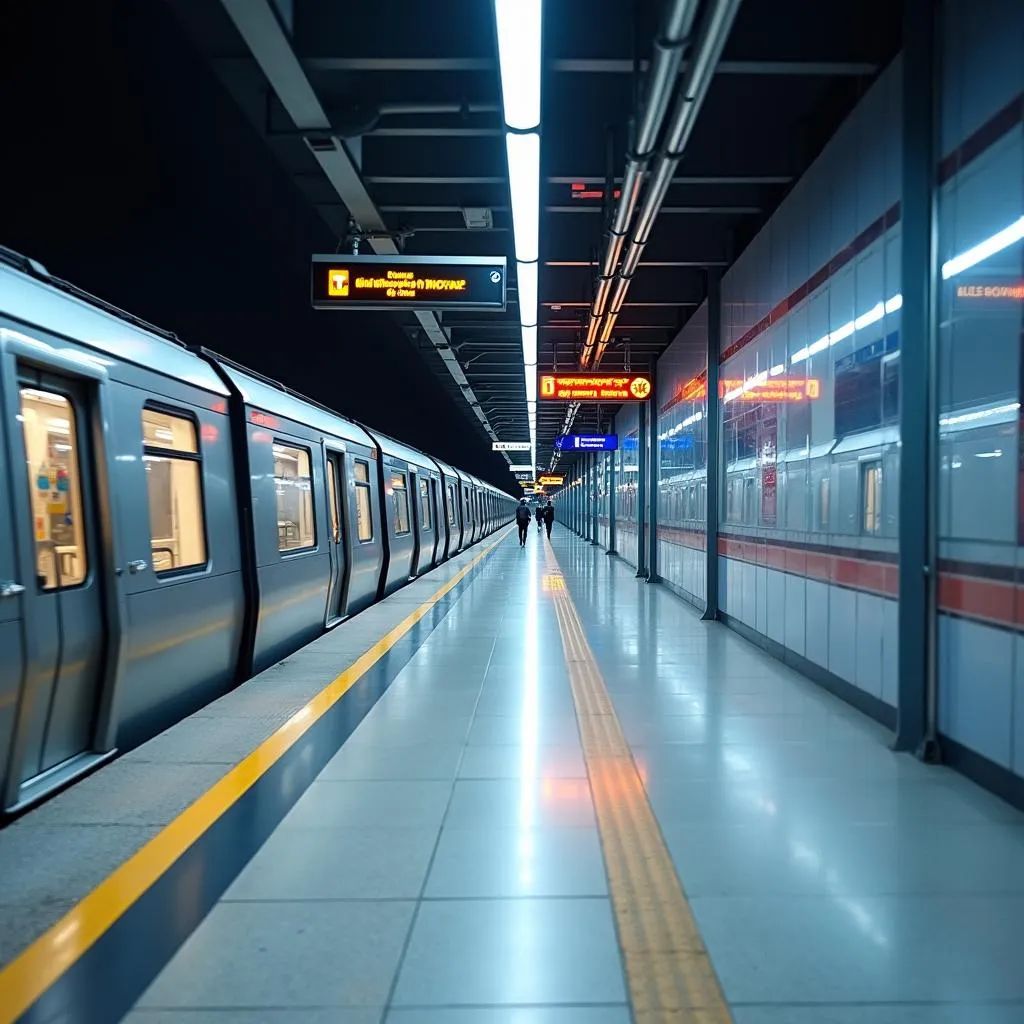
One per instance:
(668, 972)
(36, 968)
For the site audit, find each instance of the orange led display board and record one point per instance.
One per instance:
(408, 282)
(774, 389)
(551, 480)
(990, 291)
(594, 387)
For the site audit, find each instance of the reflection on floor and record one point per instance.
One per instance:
(446, 866)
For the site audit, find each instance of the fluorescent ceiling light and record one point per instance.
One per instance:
(524, 187)
(531, 384)
(519, 50)
(526, 281)
(530, 345)
(997, 243)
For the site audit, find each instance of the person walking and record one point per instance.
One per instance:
(549, 516)
(540, 516)
(523, 521)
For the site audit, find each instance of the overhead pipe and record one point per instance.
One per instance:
(663, 74)
(700, 69)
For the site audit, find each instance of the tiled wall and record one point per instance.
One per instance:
(980, 653)
(809, 498)
(682, 459)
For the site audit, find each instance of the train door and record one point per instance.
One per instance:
(416, 520)
(64, 583)
(338, 590)
(435, 513)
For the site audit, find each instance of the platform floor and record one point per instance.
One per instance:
(579, 804)
(446, 866)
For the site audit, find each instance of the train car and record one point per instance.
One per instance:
(171, 523)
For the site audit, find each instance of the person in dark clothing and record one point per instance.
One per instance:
(549, 515)
(540, 517)
(523, 521)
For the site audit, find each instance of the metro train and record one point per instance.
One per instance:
(172, 523)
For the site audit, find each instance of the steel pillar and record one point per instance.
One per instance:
(641, 493)
(712, 447)
(611, 457)
(653, 463)
(915, 727)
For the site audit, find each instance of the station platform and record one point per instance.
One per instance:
(528, 788)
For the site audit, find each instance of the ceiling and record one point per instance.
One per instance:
(390, 117)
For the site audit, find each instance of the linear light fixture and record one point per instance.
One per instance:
(983, 250)
(524, 185)
(526, 282)
(519, 30)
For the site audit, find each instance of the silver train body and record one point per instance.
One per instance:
(172, 523)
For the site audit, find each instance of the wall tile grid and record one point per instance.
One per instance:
(682, 459)
(811, 328)
(809, 502)
(980, 665)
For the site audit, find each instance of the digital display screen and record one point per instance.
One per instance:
(551, 480)
(594, 387)
(587, 442)
(408, 282)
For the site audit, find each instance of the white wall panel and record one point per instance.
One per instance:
(975, 699)
(890, 652)
(795, 613)
(842, 633)
(870, 638)
(817, 622)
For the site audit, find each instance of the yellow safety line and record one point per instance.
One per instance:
(28, 976)
(668, 972)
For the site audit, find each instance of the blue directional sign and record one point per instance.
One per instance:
(586, 443)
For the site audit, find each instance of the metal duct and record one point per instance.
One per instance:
(700, 69)
(663, 74)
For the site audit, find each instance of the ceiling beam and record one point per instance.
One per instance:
(260, 28)
(714, 179)
(585, 65)
(642, 263)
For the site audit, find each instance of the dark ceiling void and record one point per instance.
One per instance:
(391, 129)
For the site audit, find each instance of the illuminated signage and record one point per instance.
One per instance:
(594, 387)
(551, 480)
(528, 484)
(524, 477)
(510, 446)
(408, 282)
(524, 468)
(587, 442)
(990, 291)
(580, 191)
(772, 389)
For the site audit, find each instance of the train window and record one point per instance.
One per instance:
(451, 505)
(425, 522)
(823, 497)
(364, 519)
(871, 490)
(296, 530)
(400, 497)
(332, 500)
(170, 451)
(55, 484)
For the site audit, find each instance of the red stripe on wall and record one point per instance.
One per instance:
(998, 602)
(1004, 121)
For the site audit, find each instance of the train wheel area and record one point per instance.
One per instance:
(539, 789)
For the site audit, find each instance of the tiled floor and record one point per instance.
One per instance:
(446, 865)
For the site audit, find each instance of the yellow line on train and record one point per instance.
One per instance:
(668, 972)
(41, 964)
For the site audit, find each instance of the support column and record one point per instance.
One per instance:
(653, 464)
(592, 459)
(641, 493)
(612, 539)
(712, 448)
(915, 727)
